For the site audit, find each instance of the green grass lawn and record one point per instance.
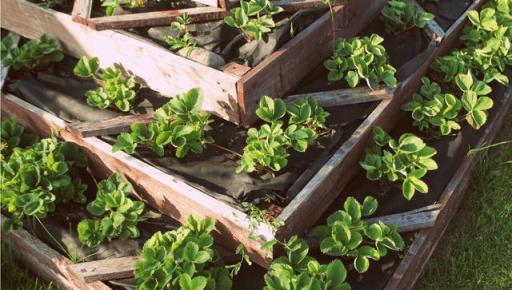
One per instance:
(475, 253)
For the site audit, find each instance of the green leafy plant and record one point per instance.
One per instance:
(119, 214)
(115, 90)
(406, 160)
(298, 270)
(14, 135)
(474, 99)
(111, 5)
(179, 124)
(267, 147)
(183, 259)
(433, 111)
(347, 235)
(258, 216)
(35, 178)
(253, 18)
(30, 55)
(402, 15)
(185, 38)
(488, 39)
(361, 58)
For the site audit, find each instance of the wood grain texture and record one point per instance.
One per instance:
(346, 96)
(303, 211)
(110, 126)
(155, 66)
(4, 70)
(433, 30)
(293, 5)
(162, 191)
(285, 68)
(155, 18)
(81, 11)
(45, 261)
(212, 3)
(102, 270)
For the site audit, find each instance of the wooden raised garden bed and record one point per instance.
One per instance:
(232, 91)
(178, 199)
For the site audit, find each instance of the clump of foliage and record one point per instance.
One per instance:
(406, 160)
(361, 58)
(185, 38)
(267, 147)
(35, 178)
(111, 5)
(434, 111)
(402, 15)
(183, 259)
(258, 216)
(14, 135)
(119, 214)
(488, 46)
(474, 99)
(298, 270)
(30, 55)
(253, 18)
(116, 90)
(347, 235)
(179, 124)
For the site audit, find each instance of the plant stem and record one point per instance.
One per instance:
(226, 149)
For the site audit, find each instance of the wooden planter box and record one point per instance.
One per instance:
(216, 10)
(177, 199)
(231, 93)
(52, 266)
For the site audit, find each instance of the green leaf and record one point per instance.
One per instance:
(86, 67)
(369, 207)
(464, 81)
(361, 264)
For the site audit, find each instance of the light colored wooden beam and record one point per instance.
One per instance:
(107, 269)
(110, 126)
(346, 96)
(81, 11)
(433, 30)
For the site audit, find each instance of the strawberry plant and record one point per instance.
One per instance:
(361, 58)
(347, 235)
(183, 259)
(115, 90)
(474, 99)
(401, 15)
(179, 124)
(13, 135)
(253, 18)
(432, 109)
(267, 147)
(119, 214)
(111, 5)
(30, 55)
(298, 270)
(185, 38)
(35, 178)
(406, 160)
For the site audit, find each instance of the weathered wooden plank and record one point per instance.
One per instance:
(155, 18)
(433, 30)
(303, 211)
(273, 77)
(164, 192)
(81, 11)
(236, 69)
(102, 270)
(405, 222)
(155, 66)
(45, 261)
(109, 127)
(293, 5)
(5, 69)
(212, 3)
(346, 96)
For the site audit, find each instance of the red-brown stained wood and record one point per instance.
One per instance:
(156, 18)
(81, 11)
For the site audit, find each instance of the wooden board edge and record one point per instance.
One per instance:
(164, 192)
(409, 270)
(47, 263)
(81, 10)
